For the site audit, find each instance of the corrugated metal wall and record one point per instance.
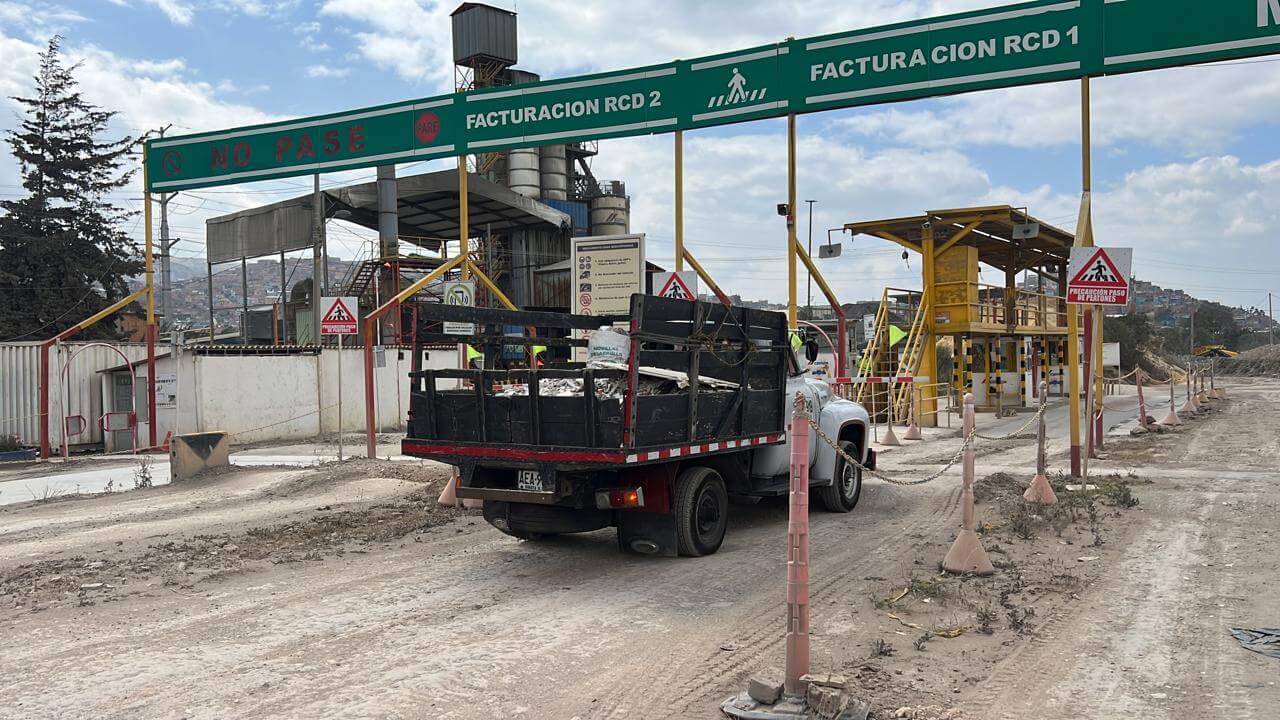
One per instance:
(577, 211)
(530, 250)
(20, 388)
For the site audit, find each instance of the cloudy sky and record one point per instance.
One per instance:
(1187, 164)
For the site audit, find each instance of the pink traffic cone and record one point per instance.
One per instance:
(913, 432)
(449, 496)
(1040, 491)
(966, 554)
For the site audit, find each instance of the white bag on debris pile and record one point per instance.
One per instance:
(608, 345)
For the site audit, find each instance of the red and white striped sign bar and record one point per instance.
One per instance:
(677, 452)
(886, 379)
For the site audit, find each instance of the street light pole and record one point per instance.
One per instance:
(809, 300)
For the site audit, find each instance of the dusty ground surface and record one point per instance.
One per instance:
(342, 591)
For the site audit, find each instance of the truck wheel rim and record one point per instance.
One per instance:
(848, 480)
(708, 515)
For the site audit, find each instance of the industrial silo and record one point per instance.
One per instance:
(611, 212)
(524, 172)
(555, 173)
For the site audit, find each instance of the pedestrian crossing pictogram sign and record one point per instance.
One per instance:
(681, 285)
(339, 316)
(1099, 276)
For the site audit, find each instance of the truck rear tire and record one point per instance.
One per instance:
(841, 496)
(702, 510)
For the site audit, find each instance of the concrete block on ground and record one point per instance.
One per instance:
(764, 689)
(192, 454)
(825, 702)
(825, 680)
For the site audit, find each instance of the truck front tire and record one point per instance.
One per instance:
(841, 496)
(702, 510)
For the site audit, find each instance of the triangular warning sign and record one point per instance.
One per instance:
(338, 313)
(338, 319)
(1099, 272)
(676, 289)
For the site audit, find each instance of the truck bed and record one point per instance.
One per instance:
(476, 422)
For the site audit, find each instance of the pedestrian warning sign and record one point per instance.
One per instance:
(339, 316)
(1099, 276)
(677, 285)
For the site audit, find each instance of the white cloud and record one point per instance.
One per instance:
(160, 68)
(733, 184)
(413, 38)
(38, 19)
(325, 71)
(148, 94)
(310, 32)
(178, 12)
(1197, 109)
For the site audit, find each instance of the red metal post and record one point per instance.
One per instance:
(797, 659)
(1090, 438)
(371, 431)
(44, 399)
(842, 337)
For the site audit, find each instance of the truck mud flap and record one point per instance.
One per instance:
(512, 517)
(648, 533)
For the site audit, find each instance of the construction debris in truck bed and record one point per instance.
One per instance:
(653, 381)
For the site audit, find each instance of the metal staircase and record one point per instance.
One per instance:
(882, 357)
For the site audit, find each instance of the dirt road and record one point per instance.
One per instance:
(341, 593)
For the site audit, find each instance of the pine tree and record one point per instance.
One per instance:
(63, 252)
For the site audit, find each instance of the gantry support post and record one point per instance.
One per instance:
(791, 221)
(679, 229)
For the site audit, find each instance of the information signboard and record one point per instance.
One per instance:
(604, 273)
(1021, 44)
(460, 292)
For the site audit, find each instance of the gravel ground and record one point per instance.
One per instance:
(343, 591)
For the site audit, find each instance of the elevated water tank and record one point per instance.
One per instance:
(610, 215)
(555, 173)
(483, 33)
(524, 174)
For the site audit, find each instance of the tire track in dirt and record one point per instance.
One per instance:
(689, 688)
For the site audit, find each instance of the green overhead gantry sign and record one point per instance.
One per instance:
(1022, 44)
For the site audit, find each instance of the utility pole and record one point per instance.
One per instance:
(166, 269)
(1271, 328)
(319, 274)
(809, 301)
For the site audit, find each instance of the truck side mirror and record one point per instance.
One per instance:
(811, 350)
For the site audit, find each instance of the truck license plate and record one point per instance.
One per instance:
(530, 480)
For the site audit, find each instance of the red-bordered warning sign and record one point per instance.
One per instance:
(1099, 276)
(339, 317)
(678, 285)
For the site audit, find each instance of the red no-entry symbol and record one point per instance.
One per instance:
(427, 127)
(171, 162)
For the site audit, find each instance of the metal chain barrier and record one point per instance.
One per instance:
(1016, 433)
(889, 479)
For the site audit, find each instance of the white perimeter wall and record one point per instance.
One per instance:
(286, 397)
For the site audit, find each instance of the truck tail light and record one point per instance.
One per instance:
(620, 498)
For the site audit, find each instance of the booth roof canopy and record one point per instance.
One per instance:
(427, 205)
(992, 233)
